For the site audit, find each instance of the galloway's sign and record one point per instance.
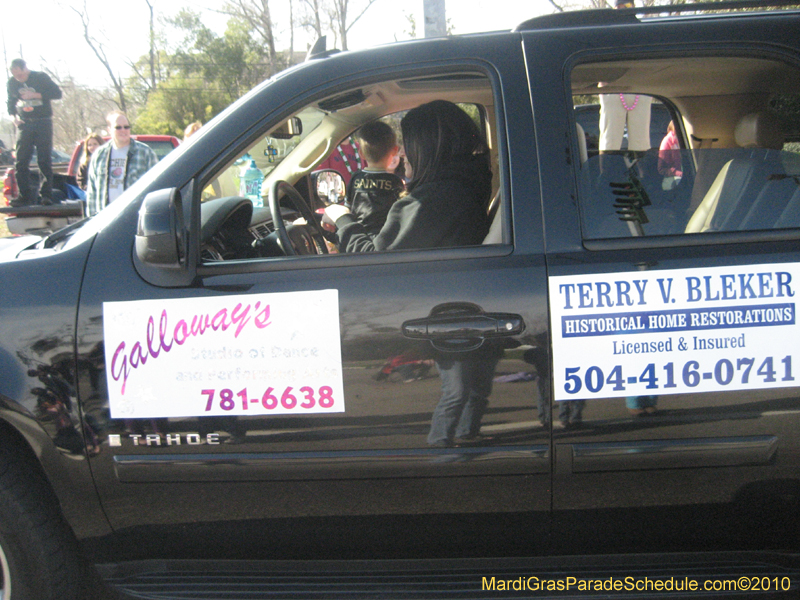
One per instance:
(677, 331)
(257, 354)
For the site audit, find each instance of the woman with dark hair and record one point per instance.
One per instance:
(92, 142)
(448, 194)
(450, 188)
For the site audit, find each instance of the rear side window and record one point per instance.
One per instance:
(673, 148)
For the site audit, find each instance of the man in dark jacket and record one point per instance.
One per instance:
(29, 96)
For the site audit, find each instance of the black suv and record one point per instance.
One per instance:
(202, 398)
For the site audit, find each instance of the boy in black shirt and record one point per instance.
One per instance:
(372, 191)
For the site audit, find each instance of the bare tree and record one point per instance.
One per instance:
(435, 19)
(411, 22)
(81, 110)
(313, 21)
(152, 48)
(291, 29)
(340, 18)
(257, 13)
(99, 51)
(336, 13)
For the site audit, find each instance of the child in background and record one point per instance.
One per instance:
(374, 190)
(92, 142)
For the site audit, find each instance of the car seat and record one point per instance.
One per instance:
(743, 178)
(769, 206)
(790, 216)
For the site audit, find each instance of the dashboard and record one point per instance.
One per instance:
(232, 229)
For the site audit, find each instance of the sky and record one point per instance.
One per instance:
(48, 33)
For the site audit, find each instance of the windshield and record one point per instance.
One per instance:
(267, 152)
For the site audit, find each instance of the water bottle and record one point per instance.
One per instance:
(250, 182)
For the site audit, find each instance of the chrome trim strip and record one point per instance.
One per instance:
(674, 454)
(258, 466)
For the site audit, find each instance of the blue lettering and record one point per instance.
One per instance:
(584, 289)
(782, 275)
(728, 282)
(744, 286)
(665, 294)
(764, 280)
(566, 288)
(693, 289)
(604, 291)
(623, 291)
(708, 289)
(640, 289)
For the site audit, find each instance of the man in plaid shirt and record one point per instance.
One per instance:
(116, 165)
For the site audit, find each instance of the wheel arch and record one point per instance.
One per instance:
(69, 480)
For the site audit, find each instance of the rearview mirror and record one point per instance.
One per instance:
(288, 129)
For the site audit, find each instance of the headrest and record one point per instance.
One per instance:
(582, 149)
(759, 130)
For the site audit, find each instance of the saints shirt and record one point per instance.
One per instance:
(371, 194)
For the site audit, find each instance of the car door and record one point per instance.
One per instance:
(686, 383)
(340, 442)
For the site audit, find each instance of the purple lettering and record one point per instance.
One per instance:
(182, 330)
(162, 331)
(125, 370)
(151, 334)
(199, 325)
(137, 357)
(220, 320)
(262, 318)
(241, 318)
(123, 363)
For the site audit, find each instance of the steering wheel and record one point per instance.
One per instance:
(302, 234)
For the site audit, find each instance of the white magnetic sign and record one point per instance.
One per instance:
(258, 354)
(675, 331)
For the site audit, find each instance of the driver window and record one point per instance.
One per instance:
(338, 173)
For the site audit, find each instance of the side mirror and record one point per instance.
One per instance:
(160, 239)
(290, 128)
(329, 186)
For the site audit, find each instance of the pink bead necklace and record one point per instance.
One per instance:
(625, 104)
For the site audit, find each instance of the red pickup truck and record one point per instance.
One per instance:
(38, 219)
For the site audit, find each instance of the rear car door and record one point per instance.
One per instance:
(672, 287)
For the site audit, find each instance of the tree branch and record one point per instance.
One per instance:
(100, 53)
(361, 14)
